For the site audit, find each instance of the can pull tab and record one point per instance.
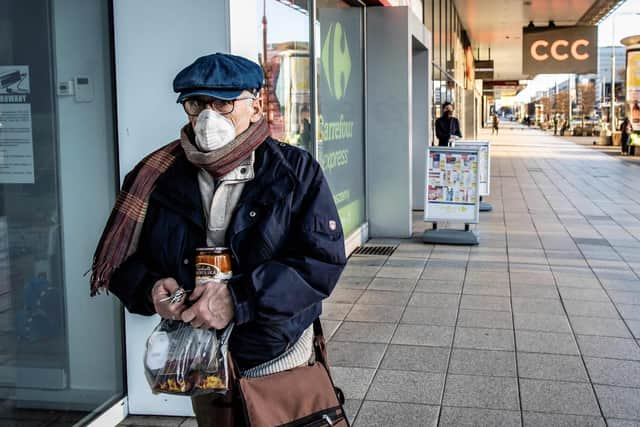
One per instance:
(327, 419)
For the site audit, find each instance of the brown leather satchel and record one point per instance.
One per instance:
(303, 396)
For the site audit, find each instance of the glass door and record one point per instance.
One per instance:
(60, 351)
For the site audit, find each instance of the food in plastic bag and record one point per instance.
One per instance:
(181, 359)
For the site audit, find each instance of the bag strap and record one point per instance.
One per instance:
(319, 343)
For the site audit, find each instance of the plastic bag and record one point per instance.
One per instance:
(181, 359)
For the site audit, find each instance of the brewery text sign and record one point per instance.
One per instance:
(560, 50)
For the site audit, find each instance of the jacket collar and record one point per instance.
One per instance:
(178, 189)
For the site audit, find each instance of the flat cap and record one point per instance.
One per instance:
(219, 75)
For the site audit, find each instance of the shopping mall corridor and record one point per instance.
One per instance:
(536, 326)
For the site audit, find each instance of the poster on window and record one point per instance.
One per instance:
(633, 86)
(16, 137)
(340, 118)
(452, 185)
(484, 166)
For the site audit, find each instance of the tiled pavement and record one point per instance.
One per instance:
(536, 326)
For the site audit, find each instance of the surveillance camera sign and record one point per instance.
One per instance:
(16, 135)
(560, 50)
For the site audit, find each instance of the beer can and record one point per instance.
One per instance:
(212, 264)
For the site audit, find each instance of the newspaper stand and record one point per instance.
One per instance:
(452, 183)
(484, 168)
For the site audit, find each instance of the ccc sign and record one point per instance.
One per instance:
(560, 50)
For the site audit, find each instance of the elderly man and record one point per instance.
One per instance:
(225, 182)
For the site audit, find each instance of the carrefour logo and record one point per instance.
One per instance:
(336, 60)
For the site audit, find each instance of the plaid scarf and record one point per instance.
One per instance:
(121, 234)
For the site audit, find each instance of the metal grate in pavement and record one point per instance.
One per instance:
(588, 241)
(374, 250)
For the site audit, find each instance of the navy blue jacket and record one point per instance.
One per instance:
(286, 242)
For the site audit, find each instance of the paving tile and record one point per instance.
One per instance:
(481, 392)
(485, 319)
(530, 277)
(599, 326)
(546, 342)
(434, 336)
(375, 313)
(360, 271)
(189, 422)
(484, 339)
(634, 325)
(483, 362)
(439, 286)
(354, 354)
(416, 358)
(621, 297)
(560, 397)
(354, 382)
(551, 367)
(365, 332)
(344, 296)
(584, 294)
(591, 308)
(534, 291)
(629, 311)
(394, 284)
(329, 327)
(430, 316)
(332, 311)
(396, 414)
(541, 322)
(475, 302)
(612, 422)
(487, 290)
(618, 402)
(407, 387)
(476, 417)
(400, 273)
(624, 373)
(353, 282)
(149, 420)
(351, 408)
(435, 300)
(487, 278)
(608, 347)
(536, 305)
(536, 419)
(371, 297)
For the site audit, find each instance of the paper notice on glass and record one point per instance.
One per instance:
(452, 185)
(16, 136)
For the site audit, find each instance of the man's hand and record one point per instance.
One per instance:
(162, 289)
(213, 307)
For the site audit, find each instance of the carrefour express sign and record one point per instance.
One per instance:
(560, 50)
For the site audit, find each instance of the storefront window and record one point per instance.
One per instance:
(340, 117)
(284, 55)
(60, 351)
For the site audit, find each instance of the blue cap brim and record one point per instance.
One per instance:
(215, 93)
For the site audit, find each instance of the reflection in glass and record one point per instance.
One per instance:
(284, 55)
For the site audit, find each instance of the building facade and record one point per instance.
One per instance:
(85, 93)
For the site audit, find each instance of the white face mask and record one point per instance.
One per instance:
(213, 130)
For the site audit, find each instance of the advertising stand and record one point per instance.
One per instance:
(484, 168)
(451, 194)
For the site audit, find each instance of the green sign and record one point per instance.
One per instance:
(336, 60)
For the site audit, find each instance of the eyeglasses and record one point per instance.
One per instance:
(194, 106)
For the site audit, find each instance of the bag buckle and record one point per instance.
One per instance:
(327, 419)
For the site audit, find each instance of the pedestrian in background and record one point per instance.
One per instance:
(625, 129)
(496, 121)
(447, 125)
